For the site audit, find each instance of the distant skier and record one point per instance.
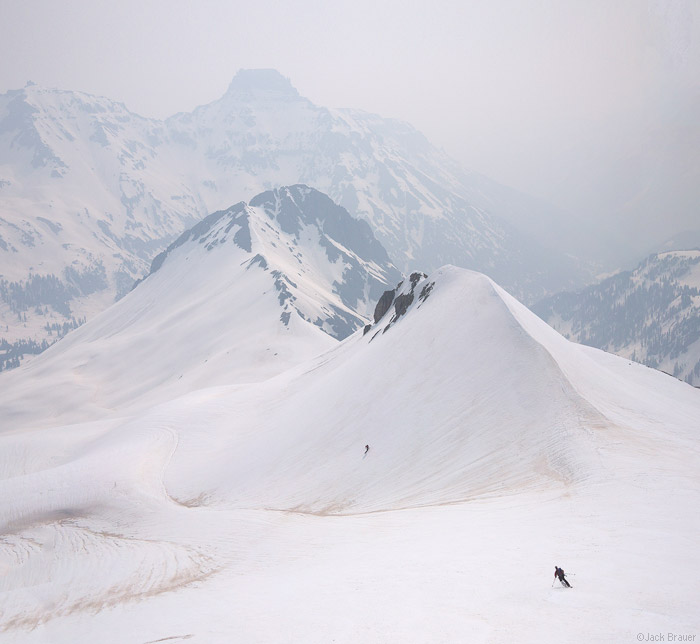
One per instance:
(366, 450)
(559, 573)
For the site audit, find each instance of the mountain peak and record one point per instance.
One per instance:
(261, 81)
(325, 265)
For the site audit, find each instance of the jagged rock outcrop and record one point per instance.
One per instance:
(401, 297)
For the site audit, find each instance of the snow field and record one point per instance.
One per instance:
(478, 572)
(247, 512)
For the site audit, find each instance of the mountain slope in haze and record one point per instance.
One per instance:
(650, 315)
(90, 193)
(85, 204)
(495, 446)
(243, 295)
(423, 207)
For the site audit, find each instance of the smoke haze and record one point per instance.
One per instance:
(589, 105)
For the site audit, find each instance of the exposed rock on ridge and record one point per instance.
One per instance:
(401, 297)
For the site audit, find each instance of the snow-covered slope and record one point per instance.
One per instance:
(651, 314)
(328, 267)
(245, 294)
(250, 512)
(90, 193)
(420, 398)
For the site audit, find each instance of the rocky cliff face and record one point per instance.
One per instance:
(413, 291)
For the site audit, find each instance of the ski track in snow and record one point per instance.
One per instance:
(60, 586)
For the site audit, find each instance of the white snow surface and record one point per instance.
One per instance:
(247, 512)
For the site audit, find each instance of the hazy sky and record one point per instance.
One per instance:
(507, 87)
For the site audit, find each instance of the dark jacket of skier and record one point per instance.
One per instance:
(558, 572)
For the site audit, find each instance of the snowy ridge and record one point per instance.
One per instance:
(489, 348)
(240, 297)
(328, 267)
(90, 192)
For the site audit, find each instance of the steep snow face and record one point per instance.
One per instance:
(496, 450)
(650, 315)
(455, 400)
(90, 192)
(328, 252)
(327, 266)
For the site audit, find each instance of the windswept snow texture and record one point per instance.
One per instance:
(249, 512)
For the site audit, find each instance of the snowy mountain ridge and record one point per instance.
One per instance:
(90, 192)
(650, 315)
(285, 229)
(242, 296)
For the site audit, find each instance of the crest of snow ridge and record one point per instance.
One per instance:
(284, 229)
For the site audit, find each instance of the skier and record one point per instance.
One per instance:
(366, 450)
(558, 572)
